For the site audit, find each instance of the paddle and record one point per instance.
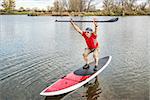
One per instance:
(110, 20)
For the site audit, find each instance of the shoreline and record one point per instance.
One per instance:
(96, 13)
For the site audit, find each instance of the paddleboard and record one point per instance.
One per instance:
(76, 78)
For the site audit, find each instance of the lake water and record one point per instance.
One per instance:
(36, 51)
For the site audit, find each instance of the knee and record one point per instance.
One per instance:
(85, 55)
(95, 56)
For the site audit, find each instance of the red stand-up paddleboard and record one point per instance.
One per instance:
(76, 79)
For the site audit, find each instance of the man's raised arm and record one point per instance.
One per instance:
(76, 27)
(95, 26)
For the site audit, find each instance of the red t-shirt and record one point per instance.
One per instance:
(91, 42)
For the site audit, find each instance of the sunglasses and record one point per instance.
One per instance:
(88, 32)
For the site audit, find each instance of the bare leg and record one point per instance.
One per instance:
(96, 60)
(85, 57)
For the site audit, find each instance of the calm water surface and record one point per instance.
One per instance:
(35, 52)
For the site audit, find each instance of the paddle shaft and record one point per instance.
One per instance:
(111, 20)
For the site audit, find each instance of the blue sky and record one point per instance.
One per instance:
(41, 3)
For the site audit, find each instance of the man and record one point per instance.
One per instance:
(90, 37)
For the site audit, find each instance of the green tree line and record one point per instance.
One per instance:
(8, 5)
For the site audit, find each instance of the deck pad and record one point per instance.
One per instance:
(90, 71)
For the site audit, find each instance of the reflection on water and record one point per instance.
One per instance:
(59, 97)
(93, 90)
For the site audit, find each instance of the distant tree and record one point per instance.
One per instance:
(90, 6)
(28, 9)
(35, 9)
(108, 5)
(129, 4)
(74, 5)
(21, 9)
(48, 8)
(65, 4)
(148, 3)
(81, 5)
(143, 6)
(8, 5)
(58, 6)
(43, 10)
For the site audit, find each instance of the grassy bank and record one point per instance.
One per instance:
(96, 13)
(14, 13)
(118, 12)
